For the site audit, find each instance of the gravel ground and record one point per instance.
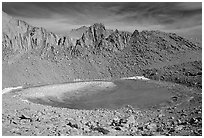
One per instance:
(181, 116)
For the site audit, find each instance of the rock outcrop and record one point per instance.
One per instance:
(97, 39)
(19, 37)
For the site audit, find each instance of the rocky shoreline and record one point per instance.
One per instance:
(182, 116)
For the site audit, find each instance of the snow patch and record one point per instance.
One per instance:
(25, 101)
(9, 89)
(135, 78)
(75, 80)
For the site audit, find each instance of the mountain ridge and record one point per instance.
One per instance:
(98, 53)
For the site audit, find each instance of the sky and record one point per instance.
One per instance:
(61, 17)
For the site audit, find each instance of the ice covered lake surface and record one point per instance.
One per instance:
(99, 94)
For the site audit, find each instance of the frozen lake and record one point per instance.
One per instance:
(99, 94)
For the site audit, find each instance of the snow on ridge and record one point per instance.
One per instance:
(135, 78)
(125, 78)
(9, 89)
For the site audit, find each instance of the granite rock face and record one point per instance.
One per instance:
(97, 39)
(19, 37)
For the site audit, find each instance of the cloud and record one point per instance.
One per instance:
(160, 13)
(21, 9)
(61, 17)
(191, 5)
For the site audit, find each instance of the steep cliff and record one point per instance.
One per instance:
(19, 37)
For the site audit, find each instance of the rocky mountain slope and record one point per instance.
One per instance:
(35, 56)
(189, 73)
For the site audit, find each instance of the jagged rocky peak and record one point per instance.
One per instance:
(98, 26)
(96, 32)
(97, 38)
(19, 37)
(93, 35)
(135, 33)
(14, 35)
(12, 26)
(116, 31)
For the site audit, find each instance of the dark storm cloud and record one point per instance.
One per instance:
(126, 16)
